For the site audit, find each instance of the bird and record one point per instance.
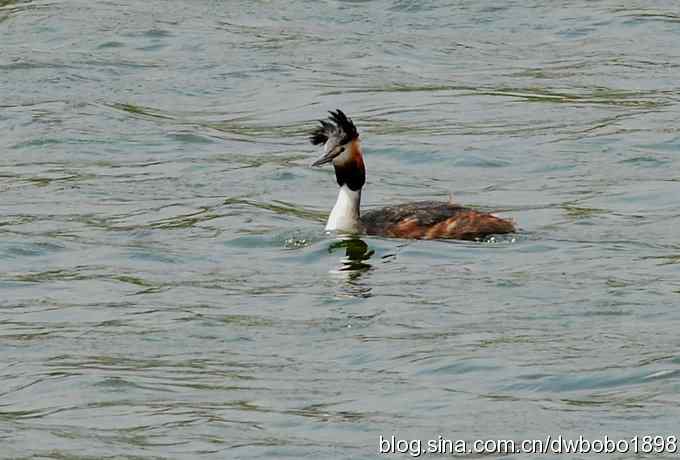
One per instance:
(416, 220)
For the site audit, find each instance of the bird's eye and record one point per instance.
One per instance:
(342, 149)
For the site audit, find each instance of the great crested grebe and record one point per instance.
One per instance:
(422, 219)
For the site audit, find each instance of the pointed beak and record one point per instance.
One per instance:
(329, 156)
(325, 158)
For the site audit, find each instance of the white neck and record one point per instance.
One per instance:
(345, 214)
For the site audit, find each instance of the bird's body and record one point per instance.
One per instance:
(432, 220)
(422, 220)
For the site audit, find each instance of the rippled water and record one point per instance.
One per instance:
(166, 288)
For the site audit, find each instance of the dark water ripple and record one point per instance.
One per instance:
(166, 290)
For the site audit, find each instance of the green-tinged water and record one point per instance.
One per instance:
(166, 287)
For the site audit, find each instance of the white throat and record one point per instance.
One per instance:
(345, 214)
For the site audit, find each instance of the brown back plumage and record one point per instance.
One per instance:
(433, 219)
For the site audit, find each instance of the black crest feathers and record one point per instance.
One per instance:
(342, 129)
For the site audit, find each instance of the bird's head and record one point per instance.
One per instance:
(339, 137)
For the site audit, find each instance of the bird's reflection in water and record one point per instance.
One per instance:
(353, 266)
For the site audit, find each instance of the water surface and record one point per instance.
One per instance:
(166, 288)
